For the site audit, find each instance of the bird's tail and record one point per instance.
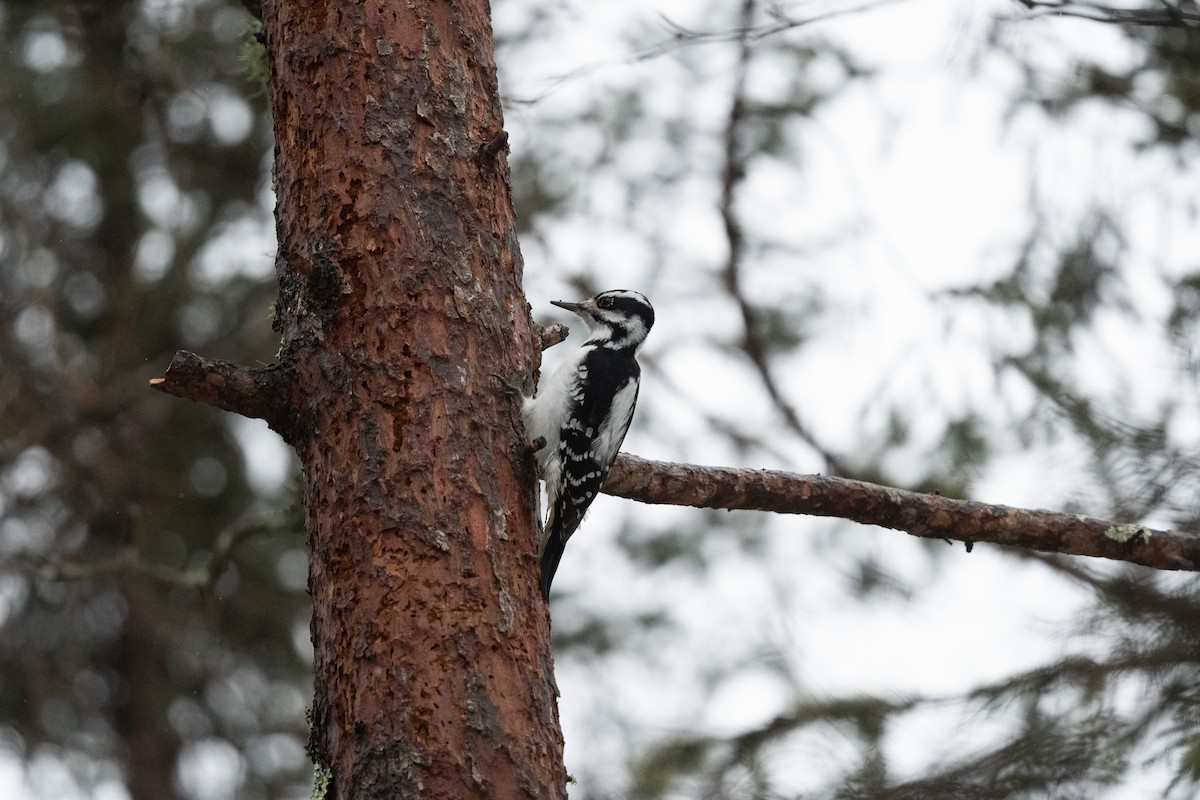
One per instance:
(562, 521)
(552, 551)
(560, 524)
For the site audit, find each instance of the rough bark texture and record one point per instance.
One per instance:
(400, 295)
(926, 515)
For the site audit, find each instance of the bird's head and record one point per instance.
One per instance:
(619, 317)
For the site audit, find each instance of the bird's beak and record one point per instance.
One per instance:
(582, 309)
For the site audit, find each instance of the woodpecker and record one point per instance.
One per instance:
(580, 418)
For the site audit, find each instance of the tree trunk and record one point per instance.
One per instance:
(400, 296)
(151, 746)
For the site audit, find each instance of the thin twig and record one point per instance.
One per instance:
(747, 31)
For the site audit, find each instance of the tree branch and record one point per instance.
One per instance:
(733, 174)
(131, 559)
(257, 393)
(925, 515)
(779, 23)
(1172, 15)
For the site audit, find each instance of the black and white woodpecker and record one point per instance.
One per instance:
(583, 413)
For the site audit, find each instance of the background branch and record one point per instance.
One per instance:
(733, 174)
(1168, 15)
(747, 31)
(131, 559)
(926, 515)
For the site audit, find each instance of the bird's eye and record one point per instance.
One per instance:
(605, 302)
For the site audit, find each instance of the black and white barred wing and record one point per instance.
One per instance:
(588, 443)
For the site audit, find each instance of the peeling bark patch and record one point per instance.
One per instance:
(481, 713)
(435, 539)
(372, 464)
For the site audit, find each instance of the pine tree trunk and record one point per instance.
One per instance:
(400, 298)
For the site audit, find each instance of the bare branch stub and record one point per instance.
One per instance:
(257, 393)
(550, 335)
(925, 515)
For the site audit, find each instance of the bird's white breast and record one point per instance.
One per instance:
(546, 414)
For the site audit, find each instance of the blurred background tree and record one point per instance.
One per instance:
(135, 220)
(936, 245)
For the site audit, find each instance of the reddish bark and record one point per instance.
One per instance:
(400, 295)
